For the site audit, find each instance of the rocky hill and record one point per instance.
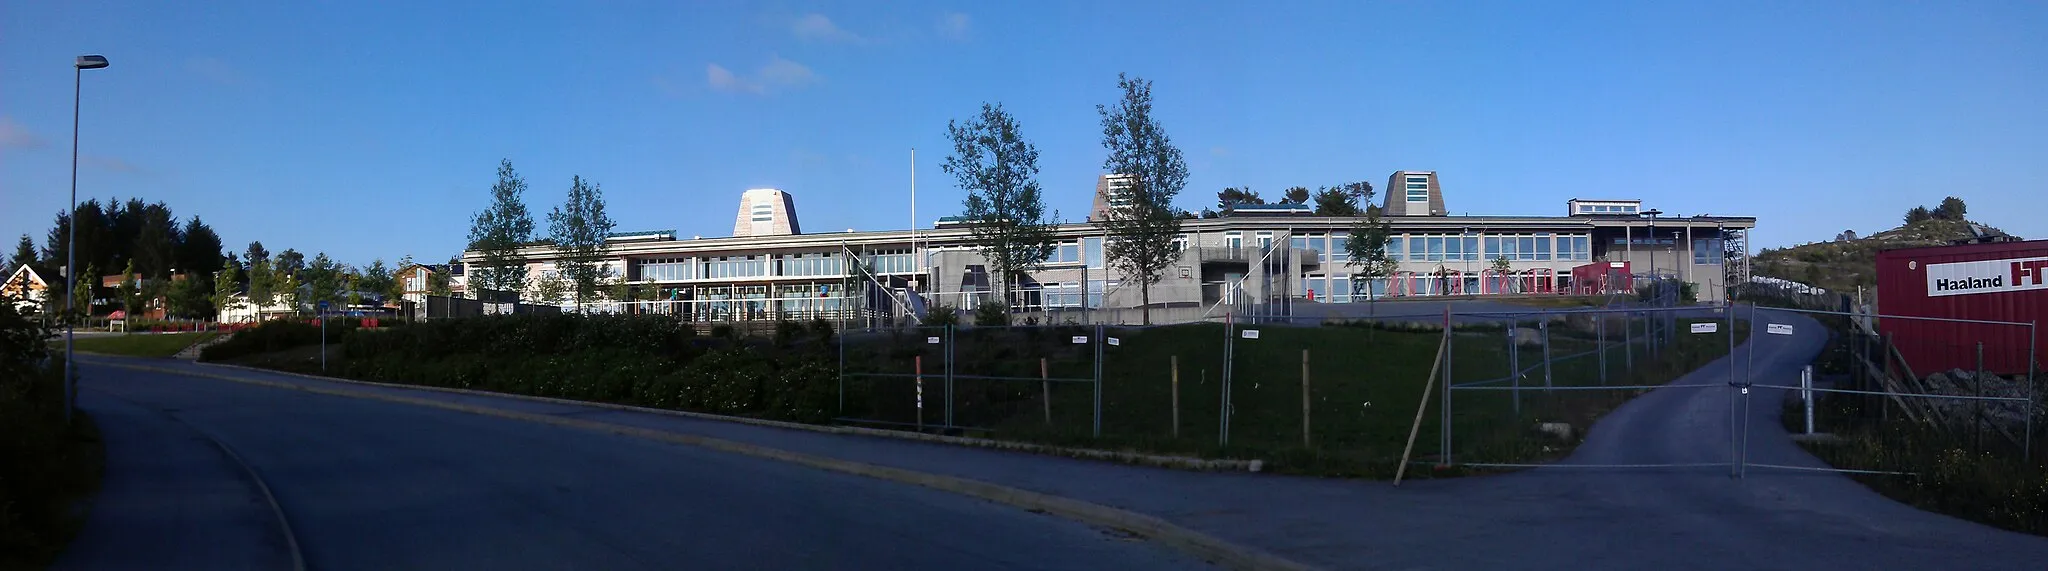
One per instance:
(1850, 261)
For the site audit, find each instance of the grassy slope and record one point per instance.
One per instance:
(1841, 266)
(143, 344)
(1364, 387)
(45, 471)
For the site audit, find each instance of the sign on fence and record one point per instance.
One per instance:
(931, 340)
(1778, 329)
(1116, 342)
(1708, 327)
(1250, 334)
(1080, 339)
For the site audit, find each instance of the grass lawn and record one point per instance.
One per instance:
(142, 344)
(1363, 390)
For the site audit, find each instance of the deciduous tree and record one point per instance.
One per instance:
(579, 229)
(498, 232)
(1144, 228)
(1004, 207)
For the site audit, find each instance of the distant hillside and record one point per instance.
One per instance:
(1851, 261)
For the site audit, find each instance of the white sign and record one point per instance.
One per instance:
(1249, 334)
(931, 340)
(1708, 327)
(1080, 339)
(1115, 341)
(1778, 329)
(1989, 276)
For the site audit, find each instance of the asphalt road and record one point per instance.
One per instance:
(374, 485)
(443, 488)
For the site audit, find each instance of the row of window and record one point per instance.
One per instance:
(1606, 209)
(1418, 188)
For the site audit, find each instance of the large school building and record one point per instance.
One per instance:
(1252, 259)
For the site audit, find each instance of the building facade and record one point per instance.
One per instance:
(1266, 257)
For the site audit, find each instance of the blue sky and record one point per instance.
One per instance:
(372, 130)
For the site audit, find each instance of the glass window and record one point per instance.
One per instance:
(1416, 249)
(1454, 249)
(1233, 240)
(1584, 245)
(1543, 247)
(1436, 248)
(1066, 253)
(1340, 289)
(1180, 242)
(1340, 248)
(1708, 252)
(1471, 247)
(1265, 239)
(1091, 248)
(1628, 210)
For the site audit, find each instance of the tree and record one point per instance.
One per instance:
(289, 262)
(498, 232)
(255, 252)
(1335, 201)
(1918, 214)
(377, 279)
(1368, 249)
(225, 286)
(199, 250)
(1004, 208)
(262, 283)
(325, 276)
(396, 288)
(24, 253)
(1502, 265)
(1295, 195)
(130, 291)
(551, 288)
(156, 241)
(190, 297)
(285, 287)
(579, 229)
(1951, 208)
(1144, 228)
(1229, 198)
(81, 293)
(437, 284)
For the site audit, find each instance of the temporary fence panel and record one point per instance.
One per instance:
(1023, 379)
(894, 377)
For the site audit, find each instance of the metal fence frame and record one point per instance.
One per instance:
(947, 373)
(1858, 321)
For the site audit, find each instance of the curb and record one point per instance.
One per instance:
(1154, 460)
(1201, 545)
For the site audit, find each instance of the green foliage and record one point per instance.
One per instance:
(997, 167)
(1343, 200)
(130, 290)
(497, 233)
(226, 283)
(1368, 246)
(273, 335)
(1142, 229)
(191, 297)
(1501, 264)
(942, 315)
(1229, 198)
(1951, 208)
(579, 228)
(45, 465)
(1294, 195)
(992, 313)
(24, 253)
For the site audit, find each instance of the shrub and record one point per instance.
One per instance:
(992, 314)
(275, 335)
(942, 315)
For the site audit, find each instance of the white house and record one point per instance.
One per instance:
(26, 288)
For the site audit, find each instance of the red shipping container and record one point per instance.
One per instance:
(1987, 282)
(1600, 278)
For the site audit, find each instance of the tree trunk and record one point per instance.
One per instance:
(1145, 301)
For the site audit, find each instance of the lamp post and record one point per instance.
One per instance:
(78, 68)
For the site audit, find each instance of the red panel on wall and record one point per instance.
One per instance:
(1988, 282)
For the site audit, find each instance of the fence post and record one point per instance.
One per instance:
(917, 373)
(1806, 394)
(842, 368)
(1045, 385)
(1304, 399)
(1977, 424)
(1515, 367)
(1628, 340)
(1099, 342)
(1544, 327)
(1450, 350)
(1600, 342)
(1173, 362)
(2033, 368)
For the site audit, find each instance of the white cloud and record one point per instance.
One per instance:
(817, 27)
(15, 136)
(955, 25)
(778, 74)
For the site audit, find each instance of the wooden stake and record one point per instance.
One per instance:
(1174, 361)
(1304, 399)
(1046, 386)
(1402, 470)
(918, 374)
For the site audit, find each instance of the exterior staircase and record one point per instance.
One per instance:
(192, 353)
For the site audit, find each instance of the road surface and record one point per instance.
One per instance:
(367, 484)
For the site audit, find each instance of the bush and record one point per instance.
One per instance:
(275, 335)
(942, 315)
(44, 465)
(992, 314)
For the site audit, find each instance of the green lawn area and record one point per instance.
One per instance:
(141, 344)
(1364, 387)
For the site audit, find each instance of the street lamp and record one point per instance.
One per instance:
(78, 68)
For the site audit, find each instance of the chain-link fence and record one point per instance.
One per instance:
(1900, 395)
